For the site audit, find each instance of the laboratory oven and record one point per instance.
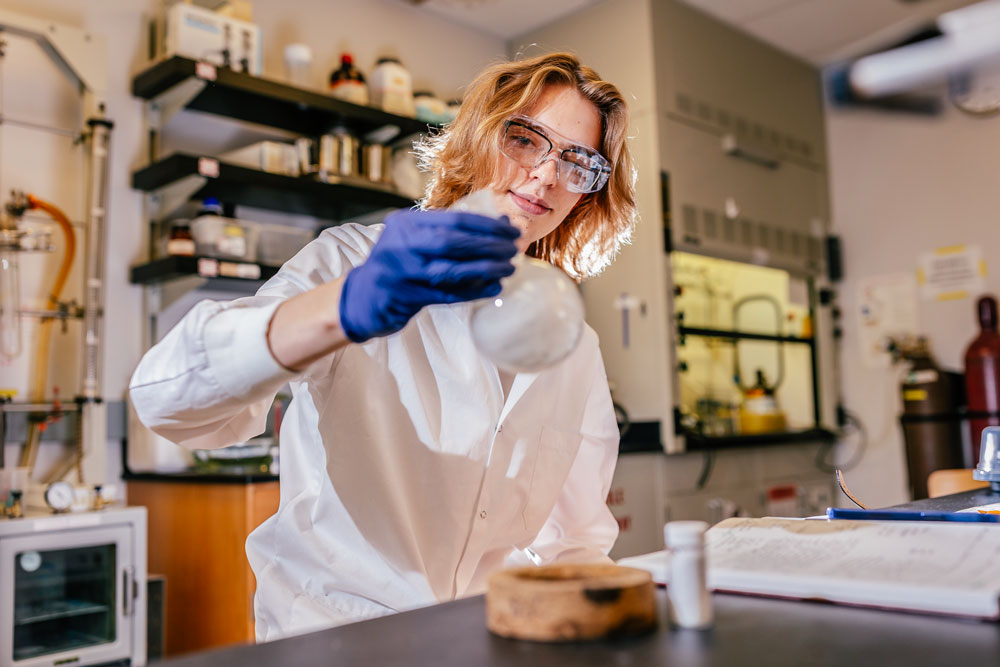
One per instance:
(73, 589)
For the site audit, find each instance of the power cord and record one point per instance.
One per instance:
(706, 469)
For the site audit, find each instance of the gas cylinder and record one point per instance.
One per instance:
(931, 420)
(982, 376)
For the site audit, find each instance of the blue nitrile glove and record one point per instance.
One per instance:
(423, 258)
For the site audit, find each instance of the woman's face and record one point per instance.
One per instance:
(534, 200)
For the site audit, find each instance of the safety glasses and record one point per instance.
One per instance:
(579, 168)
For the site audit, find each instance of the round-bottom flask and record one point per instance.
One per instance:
(536, 320)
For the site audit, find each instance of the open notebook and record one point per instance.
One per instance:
(925, 566)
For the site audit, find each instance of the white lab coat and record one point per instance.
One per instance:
(406, 478)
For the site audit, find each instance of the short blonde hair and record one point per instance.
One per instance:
(464, 157)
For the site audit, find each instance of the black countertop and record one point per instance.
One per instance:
(747, 631)
(954, 502)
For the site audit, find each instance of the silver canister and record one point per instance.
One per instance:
(304, 153)
(376, 162)
(347, 154)
(329, 155)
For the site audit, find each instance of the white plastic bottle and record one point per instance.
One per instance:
(391, 87)
(690, 600)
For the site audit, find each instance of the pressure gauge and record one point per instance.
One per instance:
(59, 496)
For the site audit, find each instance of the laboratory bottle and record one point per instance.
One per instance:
(430, 108)
(347, 83)
(226, 237)
(10, 303)
(298, 63)
(690, 600)
(536, 320)
(392, 87)
(982, 375)
(181, 242)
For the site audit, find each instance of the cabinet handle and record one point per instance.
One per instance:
(128, 590)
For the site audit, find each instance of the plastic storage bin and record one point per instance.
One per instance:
(225, 238)
(276, 244)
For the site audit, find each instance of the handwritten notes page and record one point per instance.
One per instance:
(922, 566)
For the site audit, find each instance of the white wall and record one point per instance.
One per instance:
(441, 56)
(901, 186)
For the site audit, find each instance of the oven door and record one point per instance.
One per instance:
(70, 594)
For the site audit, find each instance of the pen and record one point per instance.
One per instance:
(908, 515)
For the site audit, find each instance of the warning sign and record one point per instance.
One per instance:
(953, 272)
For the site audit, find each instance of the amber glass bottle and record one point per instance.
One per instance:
(982, 375)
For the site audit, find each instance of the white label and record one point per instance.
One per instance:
(954, 272)
(239, 270)
(208, 167)
(205, 71)
(234, 246)
(208, 268)
(183, 247)
(926, 376)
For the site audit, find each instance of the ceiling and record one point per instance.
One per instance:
(823, 31)
(504, 18)
(817, 31)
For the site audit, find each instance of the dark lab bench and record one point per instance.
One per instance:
(747, 631)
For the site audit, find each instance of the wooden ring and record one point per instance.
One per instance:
(570, 602)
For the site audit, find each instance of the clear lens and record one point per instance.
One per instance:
(579, 169)
(524, 145)
(574, 178)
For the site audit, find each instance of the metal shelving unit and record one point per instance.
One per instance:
(223, 272)
(180, 177)
(169, 181)
(183, 83)
(733, 336)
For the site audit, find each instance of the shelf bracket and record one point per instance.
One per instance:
(162, 108)
(167, 199)
(158, 297)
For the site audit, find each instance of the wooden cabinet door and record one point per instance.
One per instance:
(197, 534)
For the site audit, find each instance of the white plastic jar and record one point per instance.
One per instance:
(391, 87)
(690, 600)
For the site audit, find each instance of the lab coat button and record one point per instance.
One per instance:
(482, 514)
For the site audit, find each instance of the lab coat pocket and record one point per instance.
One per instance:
(556, 453)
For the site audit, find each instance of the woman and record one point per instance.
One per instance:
(411, 467)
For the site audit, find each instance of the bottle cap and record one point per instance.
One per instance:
(684, 533)
(346, 58)
(387, 59)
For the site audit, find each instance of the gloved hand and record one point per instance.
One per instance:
(423, 258)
